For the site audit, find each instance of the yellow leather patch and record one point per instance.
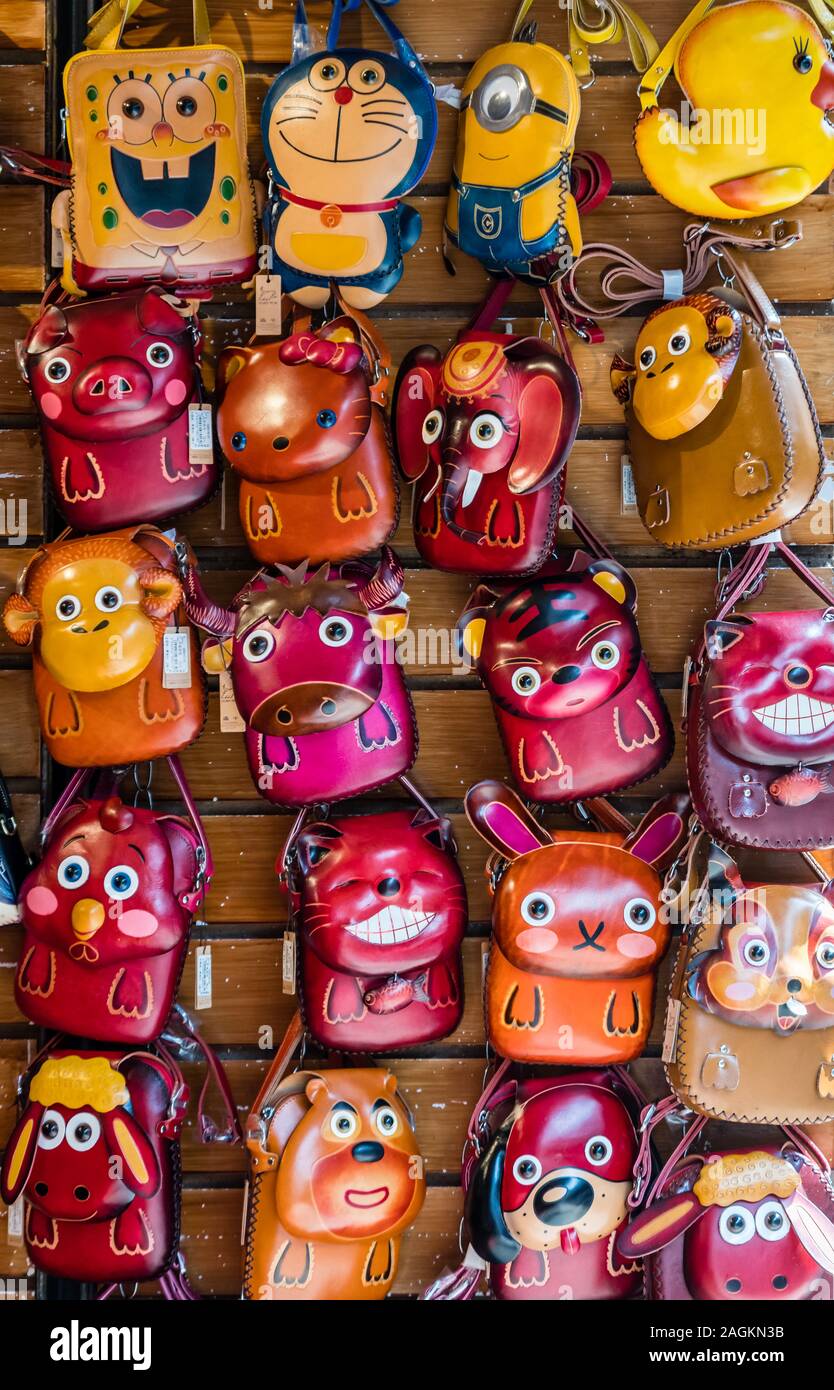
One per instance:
(323, 253)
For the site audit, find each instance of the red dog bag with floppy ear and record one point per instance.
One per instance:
(484, 434)
(113, 380)
(380, 906)
(315, 676)
(752, 1224)
(107, 913)
(547, 1174)
(116, 664)
(88, 1217)
(578, 930)
(577, 707)
(760, 736)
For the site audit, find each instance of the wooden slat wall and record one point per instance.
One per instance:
(459, 742)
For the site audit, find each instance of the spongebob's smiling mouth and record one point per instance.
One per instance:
(174, 196)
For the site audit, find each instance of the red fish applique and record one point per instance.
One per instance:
(801, 785)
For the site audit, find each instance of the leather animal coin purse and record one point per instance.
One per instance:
(100, 698)
(95, 1156)
(112, 381)
(740, 1226)
(299, 424)
(760, 720)
(758, 79)
(577, 707)
(547, 1174)
(347, 133)
(160, 186)
(578, 930)
(107, 913)
(379, 904)
(335, 1181)
(750, 1026)
(511, 202)
(484, 434)
(315, 676)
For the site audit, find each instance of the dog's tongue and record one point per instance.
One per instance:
(570, 1240)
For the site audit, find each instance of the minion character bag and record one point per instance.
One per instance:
(347, 133)
(511, 203)
(160, 186)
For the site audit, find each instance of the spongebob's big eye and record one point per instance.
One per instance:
(825, 955)
(648, 357)
(605, 655)
(68, 607)
(527, 1170)
(386, 1122)
(538, 908)
(679, 343)
(133, 108)
(486, 430)
(755, 953)
(57, 369)
(526, 680)
(343, 1124)
(188, 107)
(74, 871)
(432, 426)
(121, 882)
(258, 645)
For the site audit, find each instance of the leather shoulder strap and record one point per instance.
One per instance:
(106, 27)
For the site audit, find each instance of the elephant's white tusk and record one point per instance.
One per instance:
(470, 487)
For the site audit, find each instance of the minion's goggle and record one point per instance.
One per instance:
(504, 97)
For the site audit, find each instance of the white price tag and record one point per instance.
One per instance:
(288, 963)
(56, 249)
(231, 720)
(268, 306)
(200, 440)
(628, 492)
(176, 659)
(670, 1035)
(202, 977)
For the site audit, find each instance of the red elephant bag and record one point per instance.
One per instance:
(379, 904)
(755, 1224)
(578, 709)
(547, 1177)
(88, 1217)
(113, 381)
(115, 660)
(107, 914)
(760, 717)
(578, 929)
(484, 434)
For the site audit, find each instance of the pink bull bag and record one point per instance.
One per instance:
(315, 675)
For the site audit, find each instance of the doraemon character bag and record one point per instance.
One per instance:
(347, 133)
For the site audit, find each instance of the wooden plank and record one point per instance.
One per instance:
(21, 485)
(22, 267)
(15, 322)
(22, 105)
(23, 24)
(19, 755)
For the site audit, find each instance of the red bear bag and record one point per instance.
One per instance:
(578, 709)
(380, 906)
(113, 381)
(107, 914)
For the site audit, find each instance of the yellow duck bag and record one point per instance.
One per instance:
(758, 81)
(160, 189)
(511, 203)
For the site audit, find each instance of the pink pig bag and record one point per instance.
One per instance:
(315, 676)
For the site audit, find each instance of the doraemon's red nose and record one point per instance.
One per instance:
(823, 94)
(343, 95)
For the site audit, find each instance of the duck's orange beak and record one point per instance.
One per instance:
(823, 94)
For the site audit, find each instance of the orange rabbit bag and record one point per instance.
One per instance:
(578, 928)
(116, 664)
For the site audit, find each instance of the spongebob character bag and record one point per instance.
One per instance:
(160, 186)
(347, 133)
(512, 205)
(759, 85)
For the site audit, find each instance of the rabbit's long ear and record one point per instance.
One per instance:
(661, 833)
(814, 1228)
(503, 820)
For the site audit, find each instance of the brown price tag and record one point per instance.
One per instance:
(268, 306)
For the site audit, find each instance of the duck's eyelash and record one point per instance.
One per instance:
(801, 48)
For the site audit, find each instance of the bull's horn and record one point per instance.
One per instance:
(385, 584)
(202, 610)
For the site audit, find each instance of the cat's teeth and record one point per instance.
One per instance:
(470, 487)
(391, 925)
(796, 715)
